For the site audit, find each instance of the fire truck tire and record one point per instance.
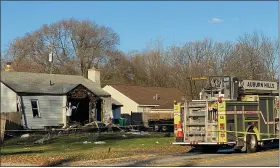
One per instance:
(251, 143)
(164, 128)
(156, 128)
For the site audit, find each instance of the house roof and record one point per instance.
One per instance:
(26, 82)
(144, 95)
(115, 102)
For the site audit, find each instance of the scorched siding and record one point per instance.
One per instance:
(107, 109)
(8, 99)
(50, 109)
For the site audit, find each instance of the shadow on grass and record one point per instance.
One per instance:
(199, 151)
(20, 152)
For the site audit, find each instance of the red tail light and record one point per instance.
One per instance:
(222, 126)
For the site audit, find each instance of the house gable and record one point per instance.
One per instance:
(128, 104)
(8, 99)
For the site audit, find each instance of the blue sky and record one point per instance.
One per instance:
(139, 22)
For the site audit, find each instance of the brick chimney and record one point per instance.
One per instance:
(94, 75)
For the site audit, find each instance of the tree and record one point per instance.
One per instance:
(116, 69)
(253, 57)
(74, 43)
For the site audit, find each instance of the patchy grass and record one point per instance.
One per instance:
(71, 148)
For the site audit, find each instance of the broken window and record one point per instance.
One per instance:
(35, 108)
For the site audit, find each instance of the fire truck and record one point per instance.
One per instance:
(240, 114)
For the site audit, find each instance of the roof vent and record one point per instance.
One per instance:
(156, 97)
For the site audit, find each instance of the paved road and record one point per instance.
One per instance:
(266, 158)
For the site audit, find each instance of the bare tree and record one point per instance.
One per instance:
(253, 57)
(80, 45)
(74, 43)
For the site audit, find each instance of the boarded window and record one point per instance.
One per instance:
(35, 108)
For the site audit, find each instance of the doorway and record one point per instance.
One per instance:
(81, 113)
(98, 110)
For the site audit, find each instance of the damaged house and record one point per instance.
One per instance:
(41, 99)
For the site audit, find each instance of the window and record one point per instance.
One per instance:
(35, 108)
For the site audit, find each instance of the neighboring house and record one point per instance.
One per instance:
(41, 98)
(144, 99)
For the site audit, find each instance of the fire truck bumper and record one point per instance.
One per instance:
(203, 143)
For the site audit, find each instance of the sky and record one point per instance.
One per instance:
(139, 22)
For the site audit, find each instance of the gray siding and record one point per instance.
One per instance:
(8, 100)
(50, 109)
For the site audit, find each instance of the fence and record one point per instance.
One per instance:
(10, 121)
(2, 128)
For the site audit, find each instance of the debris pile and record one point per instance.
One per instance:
(25, 136)
(142, 133)
(99, 142)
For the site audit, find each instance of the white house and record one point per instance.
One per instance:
(41, 98)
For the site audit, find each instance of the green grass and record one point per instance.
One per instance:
(72, 147)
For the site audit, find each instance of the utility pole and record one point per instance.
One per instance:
(50, 61)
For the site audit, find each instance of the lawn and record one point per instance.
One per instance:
(73, 148)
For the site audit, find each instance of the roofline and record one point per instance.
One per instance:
(117, 104)
(55, 94)
(167, 109)
(142, 86)
(105, 96)
(9, 86)
(40, 94)
(143, 105)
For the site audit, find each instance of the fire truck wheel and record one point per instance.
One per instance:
(251, 141)
(156, 128)
(164, 128)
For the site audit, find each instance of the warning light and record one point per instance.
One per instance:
(222, 126)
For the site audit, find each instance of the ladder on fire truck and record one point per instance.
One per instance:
(198, 121)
